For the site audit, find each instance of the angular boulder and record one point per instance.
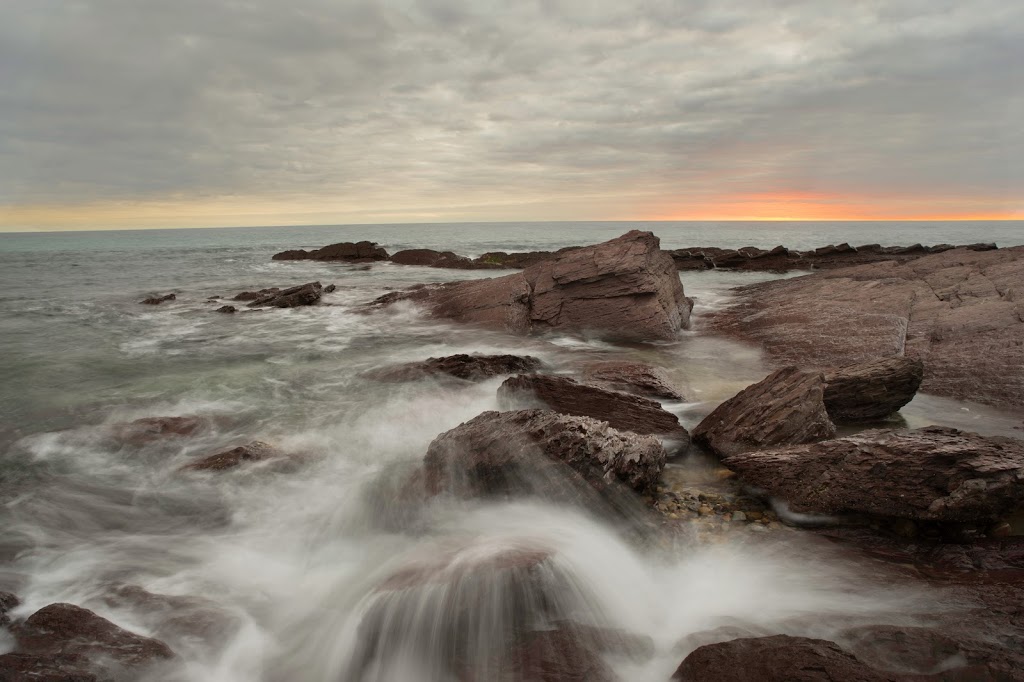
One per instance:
(303, 294)
(502, 453)
(352, 252)
(622, 411)
(871, 390)
(461, 366)
(785, 408)
(931, 474)
(626, 288)
(779, 658)
(634, 377)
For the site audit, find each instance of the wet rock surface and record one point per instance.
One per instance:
(157, 300)
(959, 311)
(176, 618)
(8, 601)
(930, 474)
(634, 377)
(227, 309)
(622, 411)
(151, 429)
(785, 408)
(292, 297)
(352, 252)
(462, 366)
(256, 451)
(871, 390)
(625, 288)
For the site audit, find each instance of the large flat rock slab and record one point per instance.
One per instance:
(960, 311)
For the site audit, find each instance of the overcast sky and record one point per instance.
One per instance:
(217, 112)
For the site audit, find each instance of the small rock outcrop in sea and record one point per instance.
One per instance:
(779, 658)
(352, 252)
(785, 408)
(157, 300)
(255, 451)
(151, 429)
(303, 294)
(634, 377)
(500, 453)
(622, 411)
(871, 390)
(227, 309)
(68, 643)
(461, 366)
(930, 474)
(960, 311)
(626, 288)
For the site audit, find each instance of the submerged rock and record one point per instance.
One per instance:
(622, 411)
(871, 390)
(501, 453)
(352, 252)
(150, 429)
(174, 617)
(624, 288)
(785, 408)
(930, 474)
(7, 602)
(157, 300)
(634, 377)
(304, 294)
(255, 451)
(227, 309)
(461, 366)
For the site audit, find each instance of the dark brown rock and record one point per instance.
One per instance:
(157, 300)
(558, 656)
(622, 411)
(175, 617)
(255, 451)
(304, 294)
(150, 429)
(960, 311)
(779, 658)
(501, 453)
(625, 288)
(253, 295)
(7, 602)
(227, 309)
(22, 667)
(635, 377)
(352, 252)
(461, 366)
(786, 408)
(437, 259)
(871, 390)
(930, 474)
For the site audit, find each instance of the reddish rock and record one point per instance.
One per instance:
(558, 656)
(625, 288)
(462, 366)
(959, 311)
(157, 300)
(304, 294)
(255, 451)
(622, 411)
(21, 667)
(352, 252)
(435, 259)
(930, 474)
(786, 408)
(150, 429)
(500, 453)
(779, 658)
(871, 390)
(635, 377)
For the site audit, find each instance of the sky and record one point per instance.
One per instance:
(149, 113)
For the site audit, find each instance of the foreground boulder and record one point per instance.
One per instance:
(785, 408)
(871, 390)
(634, 377)
(501, 453)
(930, 474)
(779, 658)
(622, 411)
(461, 366)
(68, 643)
(625, 288)
(352, 252)
(303, 294)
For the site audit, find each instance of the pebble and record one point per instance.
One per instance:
(739, 516)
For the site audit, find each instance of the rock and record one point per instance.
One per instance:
(955, 310)
(253, 295)
(150, 429)
(558, 656)
(625, 288)
(502, 453)
(622, 411)
(635, 377)
(174, 617)
(461, 366)
(436, 259)
(779, 658)
(67, 642)
(227, 309)
(871, 390)
(304, 294)
(7, 602)
(930, 474)
(352, 252)
(330, 289)
(157, 300)
(255, 451)
(786, 408)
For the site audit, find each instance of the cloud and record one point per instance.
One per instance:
(394, 108)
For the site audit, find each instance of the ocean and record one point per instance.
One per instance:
(292, 556)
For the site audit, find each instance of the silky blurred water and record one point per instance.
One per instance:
(292, 555)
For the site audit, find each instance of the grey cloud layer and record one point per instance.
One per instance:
(124, 99)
